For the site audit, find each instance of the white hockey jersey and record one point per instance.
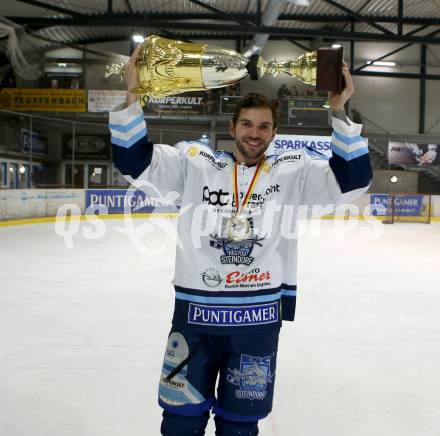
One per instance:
(241, 287)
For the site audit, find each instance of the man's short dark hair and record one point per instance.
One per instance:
(257, 100)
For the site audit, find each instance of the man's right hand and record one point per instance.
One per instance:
(131, 76)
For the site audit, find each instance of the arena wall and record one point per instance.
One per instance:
(18, 204)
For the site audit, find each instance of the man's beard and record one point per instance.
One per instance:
(251, 154)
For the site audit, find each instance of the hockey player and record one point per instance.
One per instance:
(235, 282)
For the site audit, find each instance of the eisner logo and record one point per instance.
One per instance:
(253, 276)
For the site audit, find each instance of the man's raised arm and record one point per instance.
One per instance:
(348, 172)
(133, 154)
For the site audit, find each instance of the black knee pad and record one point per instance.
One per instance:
(179, 425)
(235, 428)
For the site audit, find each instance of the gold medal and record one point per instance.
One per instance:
(239, 227)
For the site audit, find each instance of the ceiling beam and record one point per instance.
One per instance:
(397, 50)
(435, 32)
(259, 13)
(50, 7)
(284, 32)
(129, 7)
(225, 15)
(418, 29)
(397, 75)
(77, 46)
(359, 17)
(127, 38)
(129, 19)
(400, 17)
(320, 18)
(358, 11)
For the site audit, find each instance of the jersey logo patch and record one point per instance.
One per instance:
(252, 377)
(193, 151)
(237, 253)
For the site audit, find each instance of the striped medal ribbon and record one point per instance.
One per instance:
(238, 227)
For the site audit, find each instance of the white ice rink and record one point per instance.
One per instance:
(83, 330)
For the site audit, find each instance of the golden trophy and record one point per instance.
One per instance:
(169, 67)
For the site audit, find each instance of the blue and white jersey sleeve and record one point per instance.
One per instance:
(346, 175)
(140, 160)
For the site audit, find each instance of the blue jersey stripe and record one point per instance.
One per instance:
(127, 127)
(288, 293)
(203, 293)
(129, 142)
(228, 300)
(351, 155)
(348, 139)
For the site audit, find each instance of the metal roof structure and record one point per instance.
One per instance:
(88, 21)
(81, 23)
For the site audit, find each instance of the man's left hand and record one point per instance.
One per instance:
(337, 101)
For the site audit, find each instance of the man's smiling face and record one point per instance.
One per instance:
(253, 132)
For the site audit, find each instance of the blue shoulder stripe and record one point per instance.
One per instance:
(351, 155)
(348, 139)
(127, 127)
(127, 143)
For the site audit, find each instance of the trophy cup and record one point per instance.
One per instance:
(169, 67)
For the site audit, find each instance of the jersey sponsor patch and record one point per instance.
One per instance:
(228, 316)
(235, 252)
(215, 163)
(286, 158)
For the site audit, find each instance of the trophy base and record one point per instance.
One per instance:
(329, 75)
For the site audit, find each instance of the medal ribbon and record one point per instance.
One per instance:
(251, 187)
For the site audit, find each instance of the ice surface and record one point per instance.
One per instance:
(83, 330)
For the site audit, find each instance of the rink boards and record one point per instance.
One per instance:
(42, 205)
